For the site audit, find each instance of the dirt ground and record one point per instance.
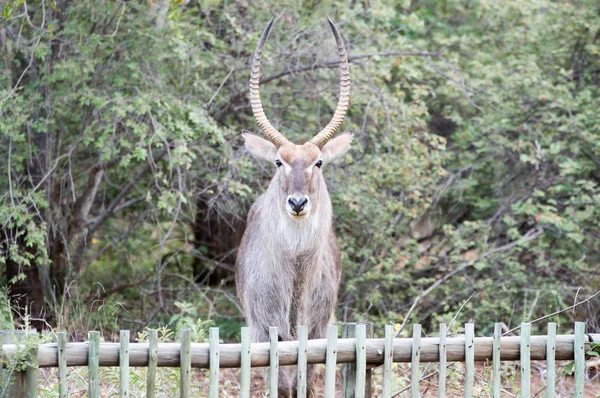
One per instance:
(168, 380)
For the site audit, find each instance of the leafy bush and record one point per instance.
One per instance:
(474, 173)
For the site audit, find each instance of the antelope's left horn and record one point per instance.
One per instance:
(344, 101)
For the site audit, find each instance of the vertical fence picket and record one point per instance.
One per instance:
(579, 353)
(245, 363)
(273, 362)
(32, 372)
(388, 358)
(496, 360)
(330, 360)
(3, 372)
(361, 360)
(469, 359)
(416, 359)
(302, 358)
(93, 365)
(62, 365)
(14, 380)
(442, 365)
(550, 363)
(152, 363)
(213, 339)
(525, 360)
(369, 371)
(185, 359)
(124, 364)
(349, 370)
(4, 380)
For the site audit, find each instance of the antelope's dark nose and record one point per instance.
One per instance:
(297, 204)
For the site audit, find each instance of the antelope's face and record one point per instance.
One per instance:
(299, 168)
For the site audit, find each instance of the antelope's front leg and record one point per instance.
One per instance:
(261, 317)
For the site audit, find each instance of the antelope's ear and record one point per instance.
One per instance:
(337, 146)
(259, 147)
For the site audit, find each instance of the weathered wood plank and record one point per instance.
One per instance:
(330, 361)
(168, 353)
(349, 369)
(415, 370)
(213, 338)
(388, 354)
(185, 360)
(368, 378)
(361, 360)
(550, 361)
(525, 360)
(124, 364)
(579, 347)
(443, 364)
(496, 375)
(469, 359)
(245, 363)
(18, 388)
(94, 360)
(302, 356)
(273, 362)
(152, 363)
(32, 372)
(4, 376)
(62, 365)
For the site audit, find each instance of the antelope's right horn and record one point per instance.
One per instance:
(265, 125)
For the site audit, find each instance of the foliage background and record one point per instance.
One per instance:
(472, 184)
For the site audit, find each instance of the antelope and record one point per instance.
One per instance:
(288, 266)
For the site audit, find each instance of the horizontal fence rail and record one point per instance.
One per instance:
(355, 350)
(168, 355)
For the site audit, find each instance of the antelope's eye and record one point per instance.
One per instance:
(319, 164)
(278, 163)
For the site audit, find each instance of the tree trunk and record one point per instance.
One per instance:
(216, 242)
(28, 292)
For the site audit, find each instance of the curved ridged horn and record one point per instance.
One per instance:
(266, 127)
(340, 112)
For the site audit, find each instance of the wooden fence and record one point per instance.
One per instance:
(354, 350)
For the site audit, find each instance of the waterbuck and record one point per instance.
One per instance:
(288, 266)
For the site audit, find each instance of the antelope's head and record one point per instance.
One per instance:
(298, 166)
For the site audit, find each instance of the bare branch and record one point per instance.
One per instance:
(322, 65)
(335, 63)
(555, 313)
(529, 235)
(117, 289)
(113, 206)
(84, 236)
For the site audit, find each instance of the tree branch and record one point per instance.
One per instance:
(322, 65)
(532, 234)
(555, 313)
(120, 207)
(113, 205)
(116, 289)
(84, 236)
(83, 205)
(335, 63)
